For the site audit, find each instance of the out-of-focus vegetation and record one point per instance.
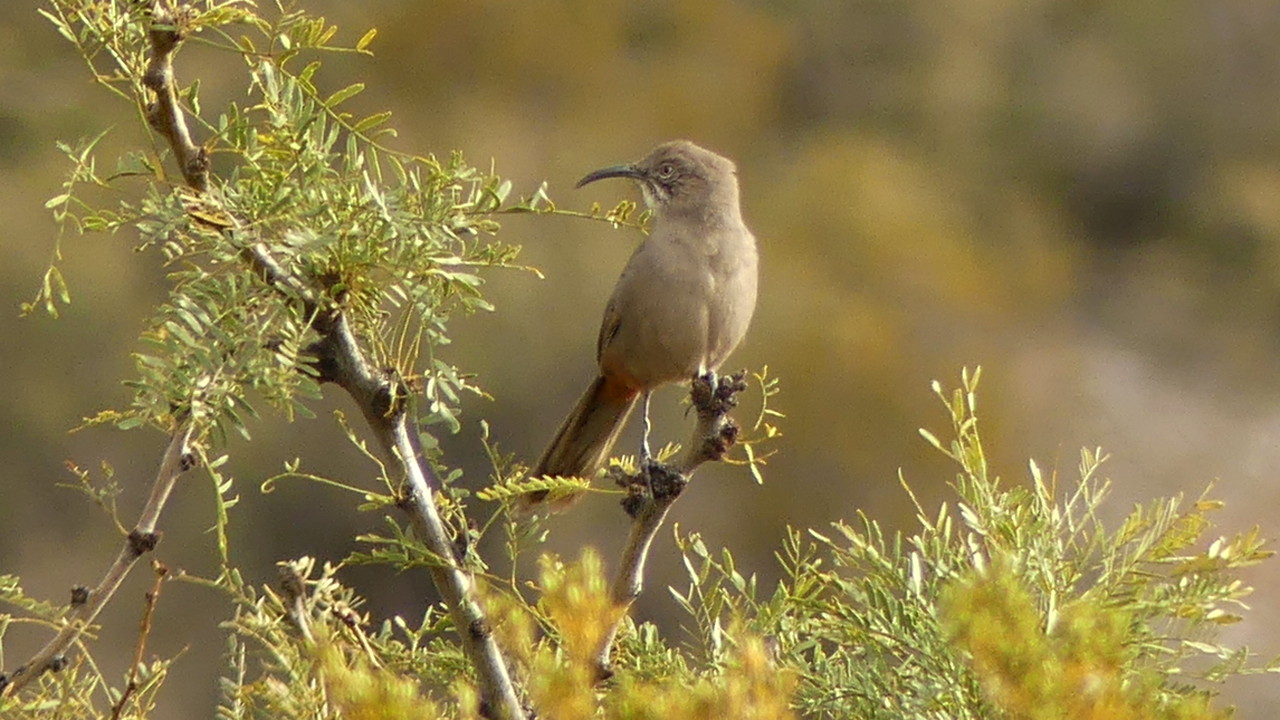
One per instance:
(1082, 197)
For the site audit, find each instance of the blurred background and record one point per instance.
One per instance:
(1081, 197)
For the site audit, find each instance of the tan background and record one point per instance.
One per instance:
(1084, 198)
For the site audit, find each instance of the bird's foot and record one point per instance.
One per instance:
(716, 395)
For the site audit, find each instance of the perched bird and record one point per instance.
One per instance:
(680, 307)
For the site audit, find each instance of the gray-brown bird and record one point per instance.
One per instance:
(682, 304)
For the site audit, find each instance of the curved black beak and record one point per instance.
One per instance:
(627, 171)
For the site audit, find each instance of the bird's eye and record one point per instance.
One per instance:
(667, 170)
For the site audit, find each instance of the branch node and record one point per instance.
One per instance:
(656, 484)
(79, 595)
(665, 482)
(634, 502)
(198, 165)
(479, 629)
(168, 26)
(464, 540)
(141, 543)
(155, 78)
(716, 446)
(323, 360)
(165, 36)
(291, 585)
(384, 402)
(406, 501)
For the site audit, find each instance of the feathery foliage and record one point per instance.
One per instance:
(393, 239)
(1013, 601)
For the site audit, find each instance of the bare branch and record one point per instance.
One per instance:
(652, 493)
(144, 630)
(165, 115)
(178, 458)
(382, 399)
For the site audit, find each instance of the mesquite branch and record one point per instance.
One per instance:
(652, 493)
(178, 458)
(381, 395)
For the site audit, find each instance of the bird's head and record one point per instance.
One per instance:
(678, 178)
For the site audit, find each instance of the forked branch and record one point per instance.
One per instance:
(655, 489)
(381, 396)
(85, 605)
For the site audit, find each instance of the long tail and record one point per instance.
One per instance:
(585, 438)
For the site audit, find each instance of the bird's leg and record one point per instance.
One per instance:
(645, 453)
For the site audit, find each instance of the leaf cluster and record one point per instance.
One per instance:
(1016, 599)
(392, 239)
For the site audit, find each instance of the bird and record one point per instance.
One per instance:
(682, 304)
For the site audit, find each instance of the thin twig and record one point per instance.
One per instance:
(658, 486)
(351, 620)
(144, 630)
(178, 458)
(293, 595)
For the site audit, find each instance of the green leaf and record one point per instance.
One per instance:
(60, 286)
(309, 71)
(344, 94)
(371, 122)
